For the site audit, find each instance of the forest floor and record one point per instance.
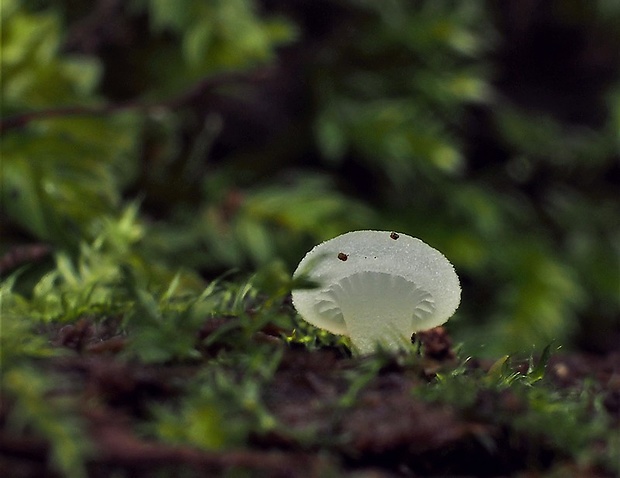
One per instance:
(375, 425)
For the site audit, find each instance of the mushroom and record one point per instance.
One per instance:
(377, 287)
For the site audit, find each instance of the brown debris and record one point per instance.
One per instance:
(75, 336)
(87, 336)
(386, 423)
(118, 445)
(436, 343)
(570, 370)
(22, 255)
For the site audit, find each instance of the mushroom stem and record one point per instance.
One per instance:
(380, 308)
(365, 339)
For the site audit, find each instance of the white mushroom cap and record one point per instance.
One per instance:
(377, 287)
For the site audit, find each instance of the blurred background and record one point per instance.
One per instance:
(212, 135)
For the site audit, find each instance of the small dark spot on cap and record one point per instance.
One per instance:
(342, 256)
(394, 235)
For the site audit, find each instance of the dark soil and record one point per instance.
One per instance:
(381, 431)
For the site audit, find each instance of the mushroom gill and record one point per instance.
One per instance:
(376, 307)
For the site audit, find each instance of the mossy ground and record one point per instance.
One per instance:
(282, 408)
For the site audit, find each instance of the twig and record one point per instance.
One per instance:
(187, 97)
(20, 255)
(117, 446)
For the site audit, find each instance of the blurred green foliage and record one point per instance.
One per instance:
(385, 134)
(395, 89)
(209, 37)
(52, 418)
(221, 408)
(34, 75)
(57, 174)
